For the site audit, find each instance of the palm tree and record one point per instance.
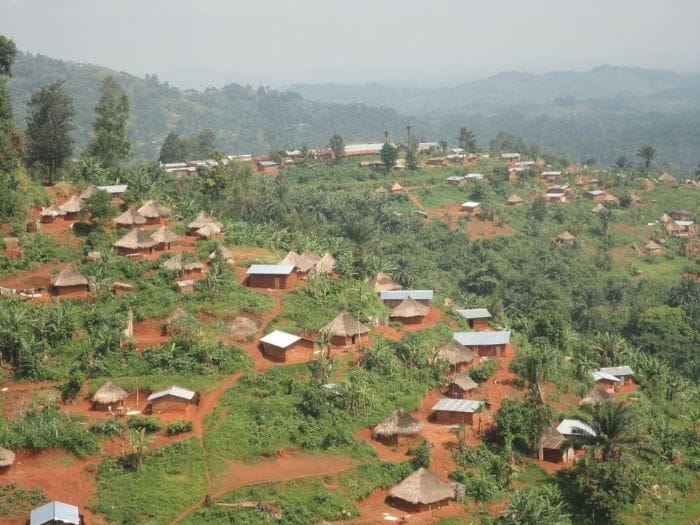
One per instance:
(622, 163)
(540, 505)
(138, 442)
(616, 431)
(647, 154)
(687, 293)
(467, 140)
(538, 365)
(610, 347)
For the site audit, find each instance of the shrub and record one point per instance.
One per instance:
(178, 427)
(109, 428)
(482, 372)
(149, 424)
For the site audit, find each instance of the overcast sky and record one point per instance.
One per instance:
(195, 43)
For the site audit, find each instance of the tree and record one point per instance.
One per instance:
(538, 209)
(110, 144)
(668, 333)
(412, 155)
(609, 347)
(174, 148)
(622, 163)
(388, 154)
(8, 52)
(49, 123)
(138, 442)
(467, 140)
(443, 145)
(10, 137)
(536, 506)
(647, 154)
(206, 143)
(337, 145)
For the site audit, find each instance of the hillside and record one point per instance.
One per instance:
(244, 119)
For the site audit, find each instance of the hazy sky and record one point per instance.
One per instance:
(195, 43)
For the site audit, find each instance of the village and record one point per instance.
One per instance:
(194, 255)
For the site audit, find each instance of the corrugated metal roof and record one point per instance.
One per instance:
(623, 370)
(268, 163)
(596, 192)
(455, 178)
(551, 173)
(482, 338)
(470, 204)
(400, 295)
(55, 511)
(602, 376)
(270, 269)
(475, 176)
(474, 313)
(569, 427)
(459, 405)
(116, 188)
(280, 339)
(175, 391)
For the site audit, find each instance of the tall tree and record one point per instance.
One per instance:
(467, 140)
(412, 155)
(110, 144)
(49, 123)
(10, 136)
(647, 154)
(622, 163)
(8, 52)
(337, 145)
(388, 154)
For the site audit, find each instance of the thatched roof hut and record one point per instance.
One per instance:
(174, 263)
(292, 258)
(384, 283)
(311, 258)
(202, 219)
(651, 246)
(399, 423)
(455, 354)
(409, 308)
(165, 236)
(69, 276)
(135, 240)
(396, 187)
(194, 267)
(7, 457)
(422, 489)
(89, 192)
(72, 205)
(223, 253)
(667, 177)
(325, 265)
(130, 218)
(464, 381)
(595, 396)
(514, 200)
(208, 231)
(344, 328)
(52, 212)
(153, 210)
(109, 394)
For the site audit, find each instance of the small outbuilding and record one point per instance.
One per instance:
(396, 187)
(208, 231)
(173, 263)
(284, 347)
(485, 344)
(345, 330)
(50, 214)
(393, 298)
(564, 238)
(56, 513)
(477, 318)
(461, 385)
(130, 219)
(324, 266)
(201, 220)
(421, 491)
(154, 212)
(624, 373)
(456, 355)
(553, 447)
(384, 283)
(164, 238)
(400, 427)
(108, 397)
(173, 400)
(652, 248)
(135, 242)
(409, 311)
(457, 411)
(72, 207)
(276, 276)
(69, 280)
(515, 200)
(471, 207)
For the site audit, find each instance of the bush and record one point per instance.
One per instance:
(482, 372)
(150, 424)
(110, 428)
(478, 486)
(178, 427)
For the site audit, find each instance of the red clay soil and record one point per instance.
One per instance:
(61, 476)
(478, 229)
(148, 333)
(375, 509)
(395, 454)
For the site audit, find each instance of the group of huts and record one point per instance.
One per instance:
(292, 267)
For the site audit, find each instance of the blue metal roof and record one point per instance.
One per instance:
(482, 338)
(270, 269)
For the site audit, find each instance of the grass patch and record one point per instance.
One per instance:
(17, 502)
(171, 479)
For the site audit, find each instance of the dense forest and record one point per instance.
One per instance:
(608, 275)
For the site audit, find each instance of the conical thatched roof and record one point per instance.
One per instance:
(454, 353)
(189, 267)
(651, 245)
(422, 487)
(515, 199)
(566, 236)
(209, 230)
(311, 257)
(409, 307)
(7, 457)
(109, 393)
(223, 252)
(69, 276)
(174, 263)
(165, 235)
(52, 211)
(345, 325)
(596, 395)
(292, 258)
(552, 439)
(153, 210)
(130, 218)
(384, 283)
(135, 240)
(667, 177)
(325, 265)
(202, 219)
(72, 205)
(89, 192)
(464, 381)
(175, 315)
(399, 423)
(666, 218)
(396, 187)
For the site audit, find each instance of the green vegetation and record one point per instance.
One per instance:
(17, 502)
